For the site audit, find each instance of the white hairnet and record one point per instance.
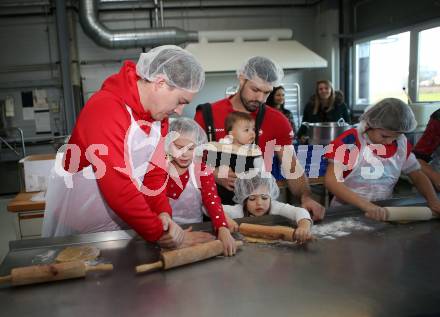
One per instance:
(390, 114)
(177, 66)
(244, 187)
(185, 127)
(262, 68)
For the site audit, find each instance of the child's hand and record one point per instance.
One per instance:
(232, 224)
(375, 212)
(435, 206)
(229, 247)
(302, 233)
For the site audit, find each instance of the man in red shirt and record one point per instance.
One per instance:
(107, 180)
(257, 77)
(427, 150)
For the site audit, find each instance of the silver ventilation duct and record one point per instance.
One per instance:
(88, 16)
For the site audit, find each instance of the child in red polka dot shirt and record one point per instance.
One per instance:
(191, 187)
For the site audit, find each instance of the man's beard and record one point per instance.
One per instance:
(247, 104)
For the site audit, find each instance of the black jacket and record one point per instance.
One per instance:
(339, 111)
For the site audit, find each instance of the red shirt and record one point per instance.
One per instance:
(208, 188)
(275, 125)
(351, 137)
(430, 140)
(105, 120)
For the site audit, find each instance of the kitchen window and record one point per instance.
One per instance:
(428, 82)
(382, 67)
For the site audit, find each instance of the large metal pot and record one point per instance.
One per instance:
(325, 132)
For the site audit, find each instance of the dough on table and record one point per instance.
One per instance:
(80, 253)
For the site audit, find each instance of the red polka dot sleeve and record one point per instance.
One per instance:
(210, 198)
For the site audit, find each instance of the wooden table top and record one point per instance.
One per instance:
(22, 202)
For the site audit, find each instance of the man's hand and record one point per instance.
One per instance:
(315, 208)
(227, 182)
(192, 238)
(173, 234)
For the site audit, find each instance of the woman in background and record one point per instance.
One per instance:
(276, 100)
(326, 105)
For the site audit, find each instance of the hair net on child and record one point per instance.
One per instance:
(177, 66)
(262, 68)
(185, 127)
(390, 114)
(245, 186)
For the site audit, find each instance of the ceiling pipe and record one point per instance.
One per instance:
(88, 16)
(205, 4)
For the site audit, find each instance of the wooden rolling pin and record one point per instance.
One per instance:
(415, 213)
(184, 256)
(51, 272)
(268, 232)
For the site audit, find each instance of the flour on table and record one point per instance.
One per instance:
(339, 228)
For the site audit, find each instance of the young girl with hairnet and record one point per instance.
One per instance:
(191, 187)
(256, 196)
(365, 163)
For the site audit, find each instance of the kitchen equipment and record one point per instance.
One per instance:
(184, 256)
(409, 213)
(51, 272)
(325, 132)
(423, 111)
(267, 232)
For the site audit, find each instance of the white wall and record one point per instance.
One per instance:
(28, 40)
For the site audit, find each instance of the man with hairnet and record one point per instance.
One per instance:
(257, 77)
(107, 178)
(365, 163)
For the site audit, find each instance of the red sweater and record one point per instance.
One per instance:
(105, 120)
(430, 140)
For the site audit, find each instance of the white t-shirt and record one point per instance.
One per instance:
(276, 208)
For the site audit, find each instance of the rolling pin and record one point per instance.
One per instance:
(51, 272)
(184, 256)
(267, 232)
(409, 213)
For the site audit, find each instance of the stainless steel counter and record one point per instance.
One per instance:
(392, 270)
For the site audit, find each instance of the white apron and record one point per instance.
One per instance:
(374, 189)
(80, 207)
(188, 208)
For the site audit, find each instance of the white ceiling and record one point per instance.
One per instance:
(228, 56)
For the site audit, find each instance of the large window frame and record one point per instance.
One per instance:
(413, 76)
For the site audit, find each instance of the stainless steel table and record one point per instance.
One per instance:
(390, 271)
